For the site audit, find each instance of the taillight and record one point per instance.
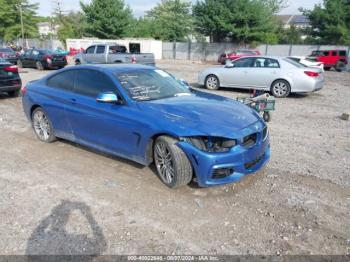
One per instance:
(23, 90)
(12, 69)
(311, 73)
(133, 59)
(48, 58)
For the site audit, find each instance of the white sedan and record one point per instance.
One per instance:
(309, 62)
(280, 76)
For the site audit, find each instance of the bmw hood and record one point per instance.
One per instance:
(202, 114)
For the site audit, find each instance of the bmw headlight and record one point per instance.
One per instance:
(212, 144)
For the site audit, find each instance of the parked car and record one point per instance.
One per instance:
(10, 81)
(9, 55)
(307, 61)
(144, 114)
(337, 59)
(112, 54)
(41, 59)
(280, 76)
(237, 54)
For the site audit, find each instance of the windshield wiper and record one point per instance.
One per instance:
(182, 94)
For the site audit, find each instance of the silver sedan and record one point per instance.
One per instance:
(278, 75)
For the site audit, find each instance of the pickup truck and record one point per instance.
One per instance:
(331, 58)
(112, 54)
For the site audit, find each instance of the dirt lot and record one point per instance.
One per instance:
(61, 198)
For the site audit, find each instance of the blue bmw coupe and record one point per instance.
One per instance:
(146, 115)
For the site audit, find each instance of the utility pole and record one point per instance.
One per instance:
(22, 26)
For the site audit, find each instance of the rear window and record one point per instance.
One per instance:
(64, 80)
(294, 63)
(117, 49)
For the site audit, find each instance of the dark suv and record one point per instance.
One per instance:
(338, 59)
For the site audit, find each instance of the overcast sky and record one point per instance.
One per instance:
(140, 6)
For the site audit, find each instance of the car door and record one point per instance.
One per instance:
(89, 54)
(100, 54)
(33, 58)
(26, 58)
(263, 73)
(104, 126)
(238, 75)
(59, 97)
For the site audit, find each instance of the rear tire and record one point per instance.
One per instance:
(39, 66)
(42, 126)
(280, 88)
(327, 68)
(340, 66)
(14, 93)
(173, 167)
(267, 116)
(212, 82)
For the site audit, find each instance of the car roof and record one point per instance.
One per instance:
(115, 68)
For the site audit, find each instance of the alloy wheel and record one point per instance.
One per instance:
(41, 125)
(164, 163)
(212, 82)
(280, 89)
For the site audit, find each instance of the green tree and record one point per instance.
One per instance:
(144, 27)
(72, 25)
(291, 35)
(244, 21)
(330, 22)
(107, 18)
(172, 19)
(10, 20)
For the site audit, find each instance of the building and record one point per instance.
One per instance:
(299, 21)
(47, 28)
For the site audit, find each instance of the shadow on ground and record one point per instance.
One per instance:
(52, 238)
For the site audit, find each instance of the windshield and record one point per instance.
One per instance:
(295, 63)
(144, 85)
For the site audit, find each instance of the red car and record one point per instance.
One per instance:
(237, 54)
(331, 58)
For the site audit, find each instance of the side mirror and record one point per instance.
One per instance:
(229, 64)
(107, 97)
(184, 82)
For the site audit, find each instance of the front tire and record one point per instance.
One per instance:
(173, 166)
(280, 88)
(212, 82)
(39, 66)
(19, 64)
(42, 126)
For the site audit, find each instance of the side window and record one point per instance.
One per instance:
(334, 53)
(35, 52)
(28, 52)
(244, 62)
(342, 53)
(271, 63)
(90, 50)
(91, 83)
(100, 49)
(64, 80)
(326, 53)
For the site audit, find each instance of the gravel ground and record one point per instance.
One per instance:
(62, 198)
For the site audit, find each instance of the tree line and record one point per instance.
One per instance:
(240, 21)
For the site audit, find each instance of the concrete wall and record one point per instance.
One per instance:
(211, 51)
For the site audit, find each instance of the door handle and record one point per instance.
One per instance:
(73, 101)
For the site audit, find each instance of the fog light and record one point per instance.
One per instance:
(222, 172)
